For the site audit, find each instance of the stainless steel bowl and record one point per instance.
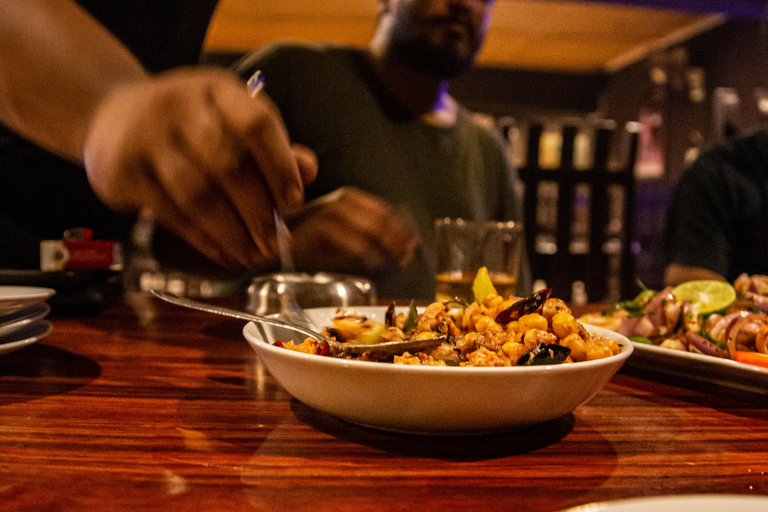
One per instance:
(309, 291)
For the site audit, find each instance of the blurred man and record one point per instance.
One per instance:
(395, 150)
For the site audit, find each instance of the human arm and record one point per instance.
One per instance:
(202, 158)
(56, 65)
(676, 274)
(189, 147)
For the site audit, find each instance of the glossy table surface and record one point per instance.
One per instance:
(151, 407)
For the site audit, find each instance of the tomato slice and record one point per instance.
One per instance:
(752, 358)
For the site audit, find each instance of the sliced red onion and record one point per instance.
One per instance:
(751, 323)
(704, 345)
(720, 329)
(655, 309)
(711, 321)
(657, 302)
(636, 326)
(760, 301)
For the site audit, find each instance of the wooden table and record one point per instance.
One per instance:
(152, 407)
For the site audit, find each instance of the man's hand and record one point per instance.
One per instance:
(351, 231)
(676, 274)
(194, 151)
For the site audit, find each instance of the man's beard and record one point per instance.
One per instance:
(441, 62)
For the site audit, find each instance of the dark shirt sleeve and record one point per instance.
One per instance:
(700, 221)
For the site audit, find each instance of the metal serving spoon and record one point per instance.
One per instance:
(337, 347)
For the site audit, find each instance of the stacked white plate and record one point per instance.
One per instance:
(22, 313)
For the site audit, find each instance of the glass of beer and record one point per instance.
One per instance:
(463, 246)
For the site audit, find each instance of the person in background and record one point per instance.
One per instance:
(103, 116)
(717, 224)
(395, 150)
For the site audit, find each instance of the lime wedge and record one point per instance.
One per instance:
(482, 286)
(707, 296)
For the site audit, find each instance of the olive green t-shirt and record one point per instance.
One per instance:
(332, 102)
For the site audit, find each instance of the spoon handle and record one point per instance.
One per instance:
(209, 308)
(387, 347)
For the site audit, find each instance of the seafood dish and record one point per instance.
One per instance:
(491, 331)
(712, 318)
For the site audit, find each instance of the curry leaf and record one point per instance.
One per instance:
(413, 318)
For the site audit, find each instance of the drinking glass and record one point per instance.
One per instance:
(464, 246)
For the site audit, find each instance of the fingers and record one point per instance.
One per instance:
(351, 230)
(208, 160)
(307, 162)
(192, 196)
(157, 206)
(232, 123)
(239, 203)
(259, 127)
(379, 229)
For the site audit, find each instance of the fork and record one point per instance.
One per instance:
(290, 307)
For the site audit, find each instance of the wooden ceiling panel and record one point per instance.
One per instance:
(554, 54)
(566, 36)
(239, 34)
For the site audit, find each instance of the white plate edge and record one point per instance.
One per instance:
(6, 348)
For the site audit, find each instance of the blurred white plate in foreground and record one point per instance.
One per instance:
(689, 503)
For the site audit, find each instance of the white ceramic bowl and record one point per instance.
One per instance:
(429, 399)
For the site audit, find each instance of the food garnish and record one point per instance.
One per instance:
(482, 286)
(707, 296)
(496, 331)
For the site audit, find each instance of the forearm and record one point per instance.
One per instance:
(56, 66)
